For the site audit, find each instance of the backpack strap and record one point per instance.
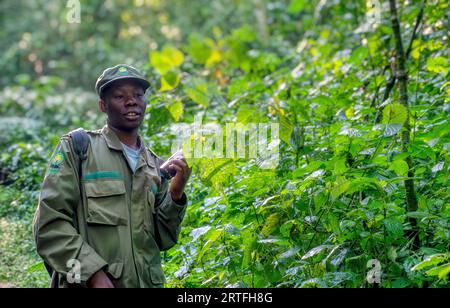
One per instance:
(80, 143)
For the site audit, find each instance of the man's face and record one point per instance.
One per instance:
(124, 104)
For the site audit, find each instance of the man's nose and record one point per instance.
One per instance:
(131, 100)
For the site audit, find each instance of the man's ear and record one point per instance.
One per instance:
(102, 105)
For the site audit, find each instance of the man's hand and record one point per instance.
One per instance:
(180, 179)
(100, 280)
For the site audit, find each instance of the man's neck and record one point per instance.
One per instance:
(130, 138)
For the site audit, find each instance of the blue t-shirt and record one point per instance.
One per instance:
(133, 156)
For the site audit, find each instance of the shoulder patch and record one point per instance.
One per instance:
(56, 161)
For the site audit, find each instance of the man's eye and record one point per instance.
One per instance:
(118, 96)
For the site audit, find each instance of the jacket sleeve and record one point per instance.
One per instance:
(168, 218)
(57, 239)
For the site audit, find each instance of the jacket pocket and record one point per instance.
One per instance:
(115, 270)
(106, 202)
(157, 274)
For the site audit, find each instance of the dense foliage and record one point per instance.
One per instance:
(327, 71)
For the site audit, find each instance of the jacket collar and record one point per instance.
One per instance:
(113, 142)
(111, 138)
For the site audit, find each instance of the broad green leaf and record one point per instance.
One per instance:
(199, 48)
(394, 114)
(430, 261)
(36, 267)
(393, 226)
(316, 250)
(214, 58)
(199, 91)
(388, 130)
(392, 129)
(167, 59)
(169, 81)
(173, 55)
(176, 110)
(271, 224)
(286, 228)
(400, 167)
(296, 6)
(340, 186)
(441, 271)
(438, 65)
(286, 129)
(290, 253)
(247, 114)
(213, 236)
(359, 55)
(277, 241)
(196, 233)
(159, 116)
(340, 167)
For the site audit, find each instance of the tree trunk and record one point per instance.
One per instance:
(402, 77)
(261, 17)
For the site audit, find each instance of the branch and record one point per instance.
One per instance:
(390, 85)
(416, 26)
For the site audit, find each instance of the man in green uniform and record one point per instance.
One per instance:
(107, 228)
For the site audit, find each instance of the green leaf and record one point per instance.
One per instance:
(394, 227)
(400, 167)
(199, 48)
(296, 6)
(441, 271)
(290, 253)
(169, 81)
(198, 232)
(277, 241)
(213, 236)
(36, 267)
(340, 167)
(199, 91)
(316, 250)
(341, 185)
(437, 65)
(167, 59)
(359, 55)
(159, 116)
(394, 114)
(392, 129)
(286, 129)
(430, 261)
(392, 254)
(248, 114)
(271, 224)
(176, 110)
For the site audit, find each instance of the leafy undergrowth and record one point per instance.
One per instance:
(334, 211)
(18, 256)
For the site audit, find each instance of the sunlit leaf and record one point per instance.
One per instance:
(394, 114)
(176, 110)
(400, 167)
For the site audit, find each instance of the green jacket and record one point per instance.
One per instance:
(113, 219)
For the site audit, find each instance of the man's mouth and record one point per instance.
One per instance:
(132, 115)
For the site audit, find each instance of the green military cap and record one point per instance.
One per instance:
(120, 71)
